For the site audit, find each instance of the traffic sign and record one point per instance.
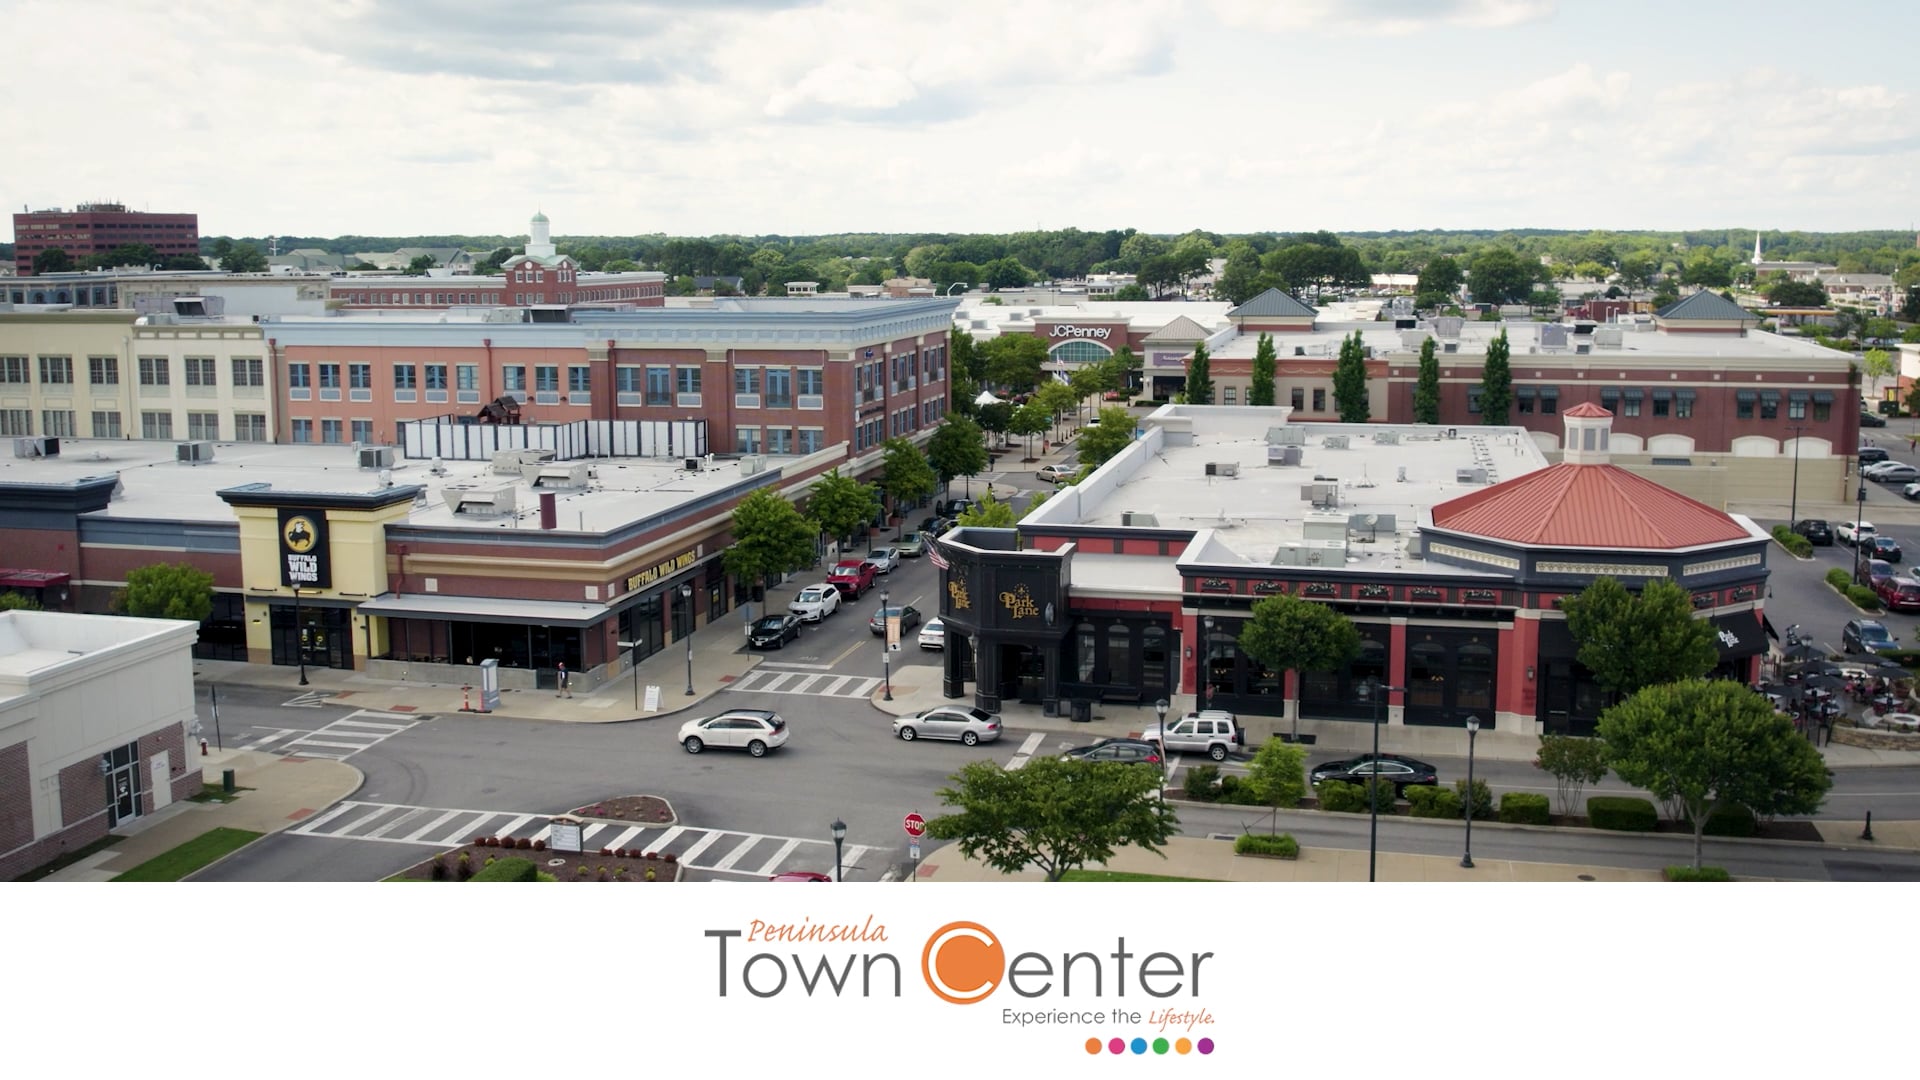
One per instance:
(916, 825)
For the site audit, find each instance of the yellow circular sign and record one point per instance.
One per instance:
(300, 534)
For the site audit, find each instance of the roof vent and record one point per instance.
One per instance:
(471, 501)
(1450, 346)
(1470, 476)
(36, 446)
(1386, 438)
(1283, 455)
(1138, 518)
(193, 453)
(1223, 468)
(508, 462)
(556, 476)
(1335, 442)
(1287, 436)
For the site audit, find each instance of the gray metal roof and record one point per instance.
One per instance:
(1179, 330)
(1709, 306)
(1274, 303)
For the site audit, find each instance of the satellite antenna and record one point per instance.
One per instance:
(1373, 530)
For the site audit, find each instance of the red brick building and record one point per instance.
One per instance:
(98, 228)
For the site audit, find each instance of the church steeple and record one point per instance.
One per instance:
(1756, 247)
(538, 244)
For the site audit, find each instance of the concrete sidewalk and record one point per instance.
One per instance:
(279, 792)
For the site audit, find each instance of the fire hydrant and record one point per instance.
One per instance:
(203, 748)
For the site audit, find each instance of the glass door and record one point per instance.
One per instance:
(123, 784)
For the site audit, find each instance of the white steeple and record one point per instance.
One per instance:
(1756, 247)
(538, 244)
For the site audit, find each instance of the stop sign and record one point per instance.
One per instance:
(916, 825)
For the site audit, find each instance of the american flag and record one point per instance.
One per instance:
(934, 557)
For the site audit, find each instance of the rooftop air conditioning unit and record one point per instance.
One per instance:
(1386, 438)
(376, 457)
(1287, 436)
(509, 462)
(1582, 348)
(193, 453)
(1335, 442)
(1469, 476)
(556, 476)
(692, 464)
(36, 446)
(1223, 468)
(1283, 455)
(1138, 518)
(753, 464)
(479, 502)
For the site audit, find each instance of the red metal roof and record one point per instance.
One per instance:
(1586, 408)
(1587, 506)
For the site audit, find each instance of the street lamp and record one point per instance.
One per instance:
(1859, 516)
(1473, 736)
(886, 648)
(686, 612)
(1166, 763)
(1374, 690)
(300, 635)
(1793, 507)
(839, 829)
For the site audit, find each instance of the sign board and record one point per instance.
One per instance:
(563, 834)
(489, 684)
(653, 697)
(305, 560)
(893, 633)
(664, 570)
(916, 825)
(913, 849)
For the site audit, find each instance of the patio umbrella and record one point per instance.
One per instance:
(1805, 651)
(1825, 682)
(1815, 667)
(1888, 663)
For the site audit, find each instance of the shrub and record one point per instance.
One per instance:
(1283, 846)
(649, 873)
(1434, 802)
(1839, 578)
(1705, 873)
(491, 860)
(539, 845)
(1341, 797)
(1524, 808)
(440, 868)
(1863, 598)
(581, 872)
(525, 843)
(1903, 657)
(464, 870)
(606, 851)
(1239, 792)
(1201, 782)
(670, 857)
(1622, 813)
(1382, 795)
(1482, 798)
(1794, 543)
(1732, 820)
(512, 868)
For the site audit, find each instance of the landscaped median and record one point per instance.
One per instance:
(196, 854)
(523, 858)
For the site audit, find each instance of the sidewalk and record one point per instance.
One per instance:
(278, 793)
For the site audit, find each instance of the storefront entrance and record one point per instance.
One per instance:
(1119, 660)
(325, 634)
(123, 784)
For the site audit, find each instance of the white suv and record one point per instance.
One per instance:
(815, 602)
(1213, 732)
(754, 730)
(1849, 534)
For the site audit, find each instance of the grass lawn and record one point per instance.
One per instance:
(70, 858)
(1115, 875)
(190, 856)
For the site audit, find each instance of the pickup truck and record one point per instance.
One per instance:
(852, 577)
(1850, 534)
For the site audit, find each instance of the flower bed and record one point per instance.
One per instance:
(636, 808)
(461, 863)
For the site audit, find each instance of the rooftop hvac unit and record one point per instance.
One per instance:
(1321, 494)
(1324, 528)
(508, 462)
(753, 464)
(1386, 438)
(1138, 518)
(1469, 476)
(556, 476)
(479, 502)
(1283, 455)
(1607, 337)
(1412, 340)
(1582, 348)
(376, 457)
(1448, 326)
(1223, 468)
(692, 464)
(1449, 346)
(36, 446)
(1335, 442)
(1287, 436)
(1311, 553)
(1402, 478)
(1372, 526)
(193, 453)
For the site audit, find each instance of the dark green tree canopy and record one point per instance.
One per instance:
(957, 448)
(1496, 382)
(1053, 815)
(1289, 633)
(1013, 361)
(769, 537)
(1426, 389)
(1439, 281)
(244, 259)
(905, 475)
(1200, 377)
(1107, 438)
(1350, 381)
(840, 505)
(1499, 276)
(1787, 292)
(1260, 390)
(170, 591)
(1631, 642)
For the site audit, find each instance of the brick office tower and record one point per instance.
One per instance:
(97, 228)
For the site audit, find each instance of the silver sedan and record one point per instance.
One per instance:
(955, 722)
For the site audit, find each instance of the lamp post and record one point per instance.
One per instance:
(686, 612)
(1793, 506)
(886, 648)
(1859, 517)
(1374, 689)
(300, 635)
(1166, 776)
(1473, 736)
(839, 829)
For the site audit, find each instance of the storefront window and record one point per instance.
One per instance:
(1473, 688)
(1085, 651)
(1427, 675)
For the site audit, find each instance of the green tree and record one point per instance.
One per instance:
(1707, 744)
(1439, 282)
(420, 265)
(1496, 382)
(905, 475)
(1053, 815)
(169, 591)
(1573, 762)
(1260, 390)
(995, 419)
(1242, 278)
(1056, 398)
(988, 513)
(956, 448)
(1014, 360)
(1786, 292)
(1089, 381)
(142, 255)
(841, 505)
(1638, 268)
(53, 261)
(1500, 276)
(1277, 776)
(1876, 364)
(1289, 633)
(1029, 420)
(1118, 370)
(13, 601)
(1006, 273)
(1426, 389)
(1107, 438)
(1350, 381)
(1706, 270)
(769, 538)
(1130, 294)
(244, 259)
(1200, 377)
(184, 262)
(1631, 642)
(965, 355)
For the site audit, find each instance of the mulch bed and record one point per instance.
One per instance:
(1795, 830)
(565, 865)
(636, 808)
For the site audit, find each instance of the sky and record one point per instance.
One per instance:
(798, 117)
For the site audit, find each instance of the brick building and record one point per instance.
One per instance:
(98, 228)
(538, 278)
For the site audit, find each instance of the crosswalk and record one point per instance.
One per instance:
(339, 740)
(1027, 749)
(719, 851)
(817, 684)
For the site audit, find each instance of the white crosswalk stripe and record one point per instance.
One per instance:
(346, 736)
(1027, 750)
(753, 856)
(762, 681)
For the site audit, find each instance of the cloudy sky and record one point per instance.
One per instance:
(401, 117)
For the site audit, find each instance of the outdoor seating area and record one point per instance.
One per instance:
(1818, 691)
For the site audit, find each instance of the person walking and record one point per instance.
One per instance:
(566, 682)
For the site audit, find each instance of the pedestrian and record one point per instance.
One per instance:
(566, 682)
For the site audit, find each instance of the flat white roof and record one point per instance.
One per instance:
(38, 642)
(1523, 338)
(984, 320)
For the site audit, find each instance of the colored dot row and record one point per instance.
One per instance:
(1181, 1045)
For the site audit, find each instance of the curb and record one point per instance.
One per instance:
(283, 826)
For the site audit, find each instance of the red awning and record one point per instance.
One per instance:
(31, 579)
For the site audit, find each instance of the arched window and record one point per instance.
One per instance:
(1080, 351)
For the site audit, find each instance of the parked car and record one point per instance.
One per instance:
(1900, 594)
(815, 602)
(883, 560)
(801, 875)
(852, 577)
(1128, 751)
(1882, 547)
(1213, 732)
(1405, 772)
(1847, 531)
(1871, 455)
(1911, 491)
(1866, 636)
(933, 635)
(754, 730)
(1873, 571)
(959, 723)
(908, 615)
(953, 508)
(1891, 472)
(1868, 419)
(773, 632)
(1816, 531)
(1058, 474)
(911, 546)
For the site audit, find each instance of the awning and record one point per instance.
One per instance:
(31, 579)
(486, 609)
(1739, 634)
(986, 398)
(1767, 625)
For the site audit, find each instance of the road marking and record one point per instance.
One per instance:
(396, 823)
(335, 745)
(794, 682)
(433, 825)
(1027, 750)
(514, 824)
(668, 837)
(854, 853)
(779, 857)
(807, 682)
(343, 728)
(844, 653)
(699, 846)
(312, 699)
(281, 734)
(326, 817)
(796, 667)
(734, 856)
(347, 722)
(623, 839)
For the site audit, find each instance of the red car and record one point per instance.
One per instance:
(1899, 594)
(852, 577)
(800, 875)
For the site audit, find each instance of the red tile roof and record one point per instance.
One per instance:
(1586, 408)
(1587, 506)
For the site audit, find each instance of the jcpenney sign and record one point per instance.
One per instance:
(1069, 330)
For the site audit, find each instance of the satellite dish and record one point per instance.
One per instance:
(1372, 520)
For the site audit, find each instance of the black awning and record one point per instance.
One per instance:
(1767, 625)
(1738, 635)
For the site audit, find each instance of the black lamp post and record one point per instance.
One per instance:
(1473, 736)
(1859, 517)
(886, 647)
(1793, 506)
(686, 612)
(1166, 763)
(1373, 688)
(300, 635)
(839, 829)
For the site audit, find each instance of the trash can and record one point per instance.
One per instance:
(1082, 711)
(226, 781)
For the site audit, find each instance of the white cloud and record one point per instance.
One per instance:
(842, 86)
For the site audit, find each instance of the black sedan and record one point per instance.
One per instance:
(774, 631)
(909, 616)
(1405, 772)
(1816, 531)
(1884, 547)
(1131, 751)
(1868, 419)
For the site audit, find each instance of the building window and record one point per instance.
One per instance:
(1473, 399)
(1297, 397)
(57, 422)
(329, 376)
(813, 382)
(1769, 404)
(13, 369)
(810, 440)
(1523, 399)
(466, 376)
(1797, 405)
(779, 388)
(779, 440)
(436, 376)
(1610, 400)
(248, 371)
(16, 421)
(1630, 402)
(250, 427)
(626, 380)
(330, 431)
(106, 425)
(746, 380)
(200, 371)
(203, 425)
(360, 376)
(404, 377)
(546, 378)
(103, 370)
(303, 431)
(1319, 400)
(1229, 395)
(1743, 402)
(579, 378)
(747, 440)
(1683, 404)
(363, 432)
(56, 371)
(1549, 399)
(687, 379)
(299, 376)
(1822, 406)
(659, 386)
(513, 377)
(156, 425)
